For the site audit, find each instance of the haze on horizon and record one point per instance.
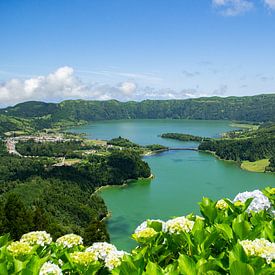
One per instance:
(134, 50)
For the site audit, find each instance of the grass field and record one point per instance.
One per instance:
(256, 166)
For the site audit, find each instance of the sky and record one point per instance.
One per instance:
(54, 50)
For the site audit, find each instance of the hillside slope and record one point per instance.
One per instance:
(258, 108)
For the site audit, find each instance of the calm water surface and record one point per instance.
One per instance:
(182, 178)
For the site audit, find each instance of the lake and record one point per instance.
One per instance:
(181, 178)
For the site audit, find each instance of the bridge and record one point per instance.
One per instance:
(182, 149)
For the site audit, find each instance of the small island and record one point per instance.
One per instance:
(182, 137)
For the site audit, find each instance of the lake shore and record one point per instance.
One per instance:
(242, 165)
(125, 184)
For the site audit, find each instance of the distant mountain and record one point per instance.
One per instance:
(30, 109)
(260, 108)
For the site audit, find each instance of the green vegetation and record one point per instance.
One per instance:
(230, 237)
(255, 166)
(122, 142)
(52, 149)
(255, 147)
(40, 115)
(182, 137)
(8, 123)
(271, 167)
(156, 147)
(60, 199)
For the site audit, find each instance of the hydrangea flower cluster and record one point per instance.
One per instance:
(83, 258)
(101, 249)
(19, 249)
(41, 238)
(173, 226)
(146, 233)
(178, 225)
(144, 225)
(221, 204)
(259, 202)
(49, 268)
(69, 240)
(114, 259)
(259, 247)
(108, 253)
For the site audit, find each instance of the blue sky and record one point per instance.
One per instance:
(135, 49)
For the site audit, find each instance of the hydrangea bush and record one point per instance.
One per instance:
(230, 237)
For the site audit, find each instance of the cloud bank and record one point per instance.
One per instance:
(270, 4)
(237, 7)
(64, 84)
(232, 7)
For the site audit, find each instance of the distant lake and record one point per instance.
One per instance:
(182, 178)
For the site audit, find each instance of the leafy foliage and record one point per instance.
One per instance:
(226, 239)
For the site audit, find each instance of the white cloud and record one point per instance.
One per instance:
(127, 88)
(57, 85)
(270, 4)
(63, 84)
(232, 7)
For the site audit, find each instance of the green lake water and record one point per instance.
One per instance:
(181, 179)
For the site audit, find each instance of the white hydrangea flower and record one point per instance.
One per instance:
(259, 247)
(49, 268)
(259, 202)
(41, 238)
(83, 258)
(144, 234)
(144, 225)
(101, 249)
(69, 240)
(19, 248)
(178, 225)
(114, 259)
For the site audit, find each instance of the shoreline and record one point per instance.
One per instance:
(239, 164)
(123, 185)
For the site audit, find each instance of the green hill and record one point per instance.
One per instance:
(258, 108)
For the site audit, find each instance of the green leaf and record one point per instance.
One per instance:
(156, 225)
(225, 230)
(4, 240)
(237, 254)
(34, 265)
(238, 268)
(241, 227)
(208, 209)
(153, 269)
(187, 265)
(3, 269)
(18, 265)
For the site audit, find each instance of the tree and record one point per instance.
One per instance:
(17, 218)
(96, 232)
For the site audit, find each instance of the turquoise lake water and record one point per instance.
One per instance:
(181, 179)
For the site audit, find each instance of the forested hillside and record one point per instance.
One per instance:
(249, 145)
(251, 108)
(61, 199)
